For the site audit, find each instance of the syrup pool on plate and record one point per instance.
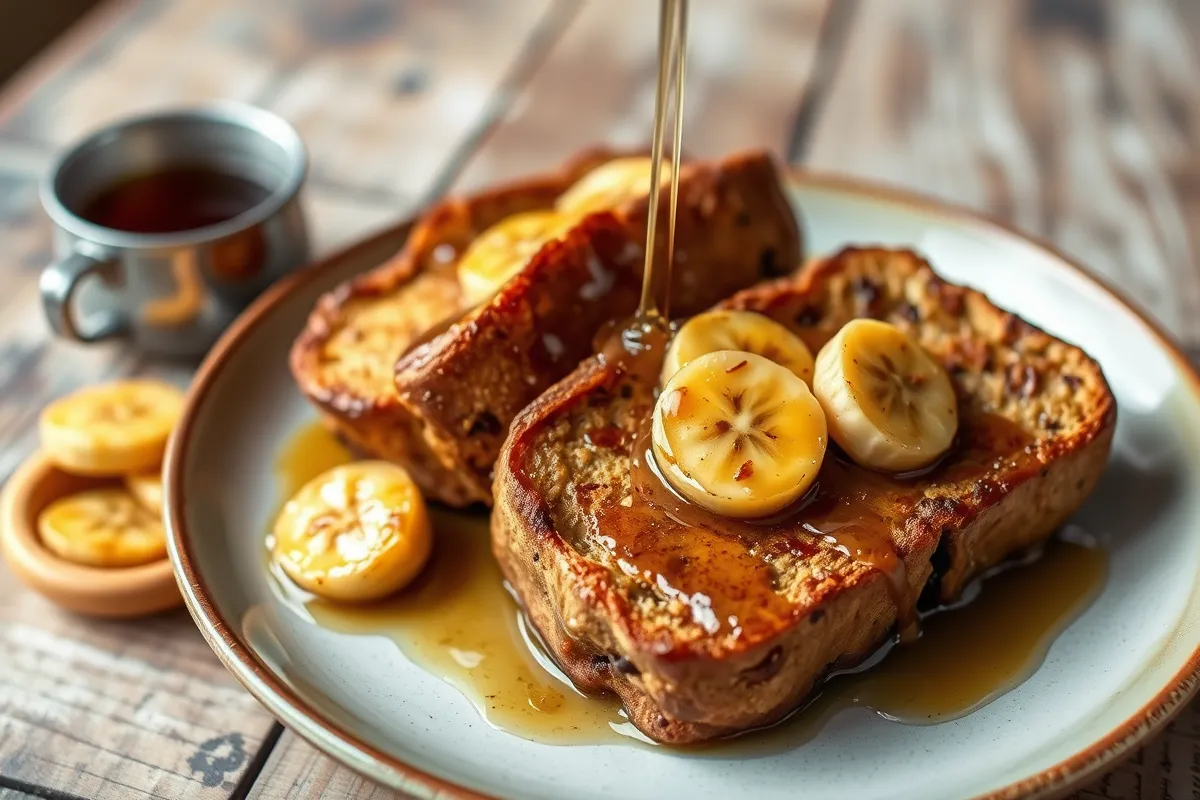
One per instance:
(458, 622)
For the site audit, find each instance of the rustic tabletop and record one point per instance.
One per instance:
(1077, 120)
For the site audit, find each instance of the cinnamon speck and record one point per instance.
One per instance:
(744, 471)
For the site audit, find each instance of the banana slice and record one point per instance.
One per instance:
(354, 533)
(499, 252)
(738, 434)
(890, 405)
(609, 185)
(738, 330)
(146, 488)
(111, 430)
(102, 528)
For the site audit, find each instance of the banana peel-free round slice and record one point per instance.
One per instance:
(738, 330)
(147, 489)
(355, 533)
(502, 250)
(609, 185)
(103, 527)
(890, 405)
(738, 434)
(111, 429)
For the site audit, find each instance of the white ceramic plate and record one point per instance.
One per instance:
(1118, 672)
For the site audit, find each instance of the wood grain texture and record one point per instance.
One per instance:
(296, 771)
(410, 81)
(116, 710)
(1075, 121)
(748, 65)
(1165, 767)
(1078, 120)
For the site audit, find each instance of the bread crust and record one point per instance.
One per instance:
(559, 509)
(401, 371)
(344, 359)
(734, 228)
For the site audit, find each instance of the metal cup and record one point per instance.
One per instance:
(172, 293)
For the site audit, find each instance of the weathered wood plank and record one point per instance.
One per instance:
(13, 794)
(408, 99)
(296, 770)
(1072, 120)
(105, 709)
(1164, 767)
(748, 66)
(410, 81)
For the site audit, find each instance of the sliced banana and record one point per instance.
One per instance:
(146, 488)
(738, 434)
(111, 430)
(609, 185)
(102, 528)
(890, 405)
(503, 249)
(738, 330)
(357, 532)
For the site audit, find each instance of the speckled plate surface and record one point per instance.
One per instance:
(1117, 673)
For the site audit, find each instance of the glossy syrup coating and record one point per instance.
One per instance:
(730, 626)
(461, 374)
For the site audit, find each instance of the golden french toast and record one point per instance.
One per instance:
(408, 364)
(705, 625)
(344, 359)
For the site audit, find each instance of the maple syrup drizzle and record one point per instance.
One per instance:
(672, 56)
(453, 619)
(637, 345)
(724, 568)
(637, 348)
(459, 623)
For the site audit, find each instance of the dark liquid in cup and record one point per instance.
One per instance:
(173, 200)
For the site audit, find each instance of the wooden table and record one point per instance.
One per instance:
(1078, 120)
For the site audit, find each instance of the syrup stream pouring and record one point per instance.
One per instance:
(641, 343)
(672, 48)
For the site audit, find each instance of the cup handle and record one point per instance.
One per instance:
(57, 285)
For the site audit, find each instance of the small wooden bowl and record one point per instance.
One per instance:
(95, 591)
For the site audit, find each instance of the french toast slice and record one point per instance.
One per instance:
(344, 358)
(466, 384)
(443, 410)
(708, 628)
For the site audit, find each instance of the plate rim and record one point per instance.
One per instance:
(287, 706)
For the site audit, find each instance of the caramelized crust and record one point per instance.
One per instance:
(344, 359)
(709, 629)
(734, 228)
(444, 409)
